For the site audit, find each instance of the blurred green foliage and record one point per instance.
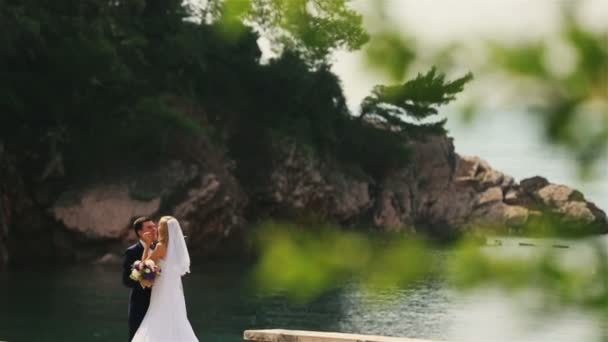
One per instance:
(312, 28)
(391, 54)
(556, 283)
(305, 261)
(574, 104)
(563, 79)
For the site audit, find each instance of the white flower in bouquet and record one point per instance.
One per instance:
(150, 263)
(135, 275)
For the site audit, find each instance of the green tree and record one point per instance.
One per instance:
(415, 99)
(312, 28)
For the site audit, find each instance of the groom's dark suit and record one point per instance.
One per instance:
(139, 299)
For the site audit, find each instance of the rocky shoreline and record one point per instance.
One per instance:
(439, 193)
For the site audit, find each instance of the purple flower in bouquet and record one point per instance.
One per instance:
(148, 274)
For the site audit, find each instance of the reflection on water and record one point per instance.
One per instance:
(89, 304)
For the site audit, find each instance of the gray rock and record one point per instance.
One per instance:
(512, 196)
(577, 211)
(102, 211)
(533, 184)
(300, 182)
(555, 195)
(515, 216)
(491, 195)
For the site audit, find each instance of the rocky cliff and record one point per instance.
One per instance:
(440, 193)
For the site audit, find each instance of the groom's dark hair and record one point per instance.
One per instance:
(138, 224)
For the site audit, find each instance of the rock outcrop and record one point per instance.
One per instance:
(27, 232)
(102, 211)
(302, 184)
(439, 192)
(203, 195)
(460, 192)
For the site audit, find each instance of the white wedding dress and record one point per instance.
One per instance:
(166, 319)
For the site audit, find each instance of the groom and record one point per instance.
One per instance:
(139, 299)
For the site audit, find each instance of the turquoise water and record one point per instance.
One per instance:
(90, 304)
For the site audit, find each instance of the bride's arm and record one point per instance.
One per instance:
(158, 253)
(147, 251)
(147, 237)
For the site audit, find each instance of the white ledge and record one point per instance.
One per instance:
(280, 335)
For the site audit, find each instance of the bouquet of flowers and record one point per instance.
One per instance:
(145, 272)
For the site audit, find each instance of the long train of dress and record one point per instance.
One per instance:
(166, 319)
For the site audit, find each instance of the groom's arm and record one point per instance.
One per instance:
(129, 259)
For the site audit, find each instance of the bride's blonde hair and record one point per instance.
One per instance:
(163, 229)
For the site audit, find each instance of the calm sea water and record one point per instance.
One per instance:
(90, 304)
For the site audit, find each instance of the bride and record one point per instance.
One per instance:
(166, 318)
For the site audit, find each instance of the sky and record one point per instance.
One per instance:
(504, 135)
(435, 23)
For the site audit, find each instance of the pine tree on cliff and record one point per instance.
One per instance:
(404, 107)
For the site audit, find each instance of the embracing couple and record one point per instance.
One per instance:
(157, 308)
